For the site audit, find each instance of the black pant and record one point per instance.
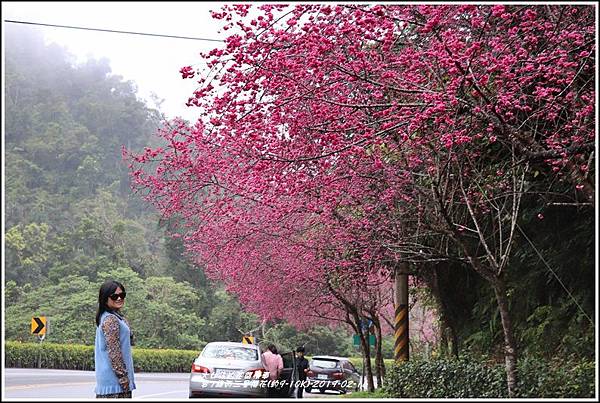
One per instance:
(300, 393)
(115, 395)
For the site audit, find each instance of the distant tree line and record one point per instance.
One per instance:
(71, 220)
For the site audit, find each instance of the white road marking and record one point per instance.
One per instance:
(47, 385)
(158, 394)
(50, 385)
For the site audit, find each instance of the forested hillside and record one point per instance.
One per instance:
(71, 219)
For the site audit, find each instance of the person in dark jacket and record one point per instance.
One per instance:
(302, 367)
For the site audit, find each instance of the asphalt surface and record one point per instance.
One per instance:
(64, 385)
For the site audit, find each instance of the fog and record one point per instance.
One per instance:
(153, 63)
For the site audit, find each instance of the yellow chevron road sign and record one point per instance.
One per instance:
(38, 325)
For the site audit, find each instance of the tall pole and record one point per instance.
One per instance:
(401, 313)
(41, 339)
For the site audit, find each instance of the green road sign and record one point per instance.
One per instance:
(356, 340)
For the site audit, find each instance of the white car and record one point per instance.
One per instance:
(228, 369)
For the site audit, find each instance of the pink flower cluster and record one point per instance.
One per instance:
(303, 177)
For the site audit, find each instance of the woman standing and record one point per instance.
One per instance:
(273, 363)
(112, 351)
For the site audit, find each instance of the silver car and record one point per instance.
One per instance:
(228, 369)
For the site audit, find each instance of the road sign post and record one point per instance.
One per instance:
(356, 342)
(39, 327)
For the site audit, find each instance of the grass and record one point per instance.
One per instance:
(358, 362)
(378, 394)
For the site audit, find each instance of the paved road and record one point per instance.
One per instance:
(318, 395)
(42, 384)
(59, 384)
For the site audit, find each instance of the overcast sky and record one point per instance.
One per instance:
(152, 62)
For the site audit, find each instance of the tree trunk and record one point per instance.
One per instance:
(378, 370)
(353, 319)
(443, 343)
(379, 364)
(510, 345)
(454, 346)
(448, 343)
(367, 354)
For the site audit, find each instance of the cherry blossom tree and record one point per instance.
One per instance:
(351, 137)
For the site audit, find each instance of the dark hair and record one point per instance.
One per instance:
(272, 348)
(106, 289)
(300, 349)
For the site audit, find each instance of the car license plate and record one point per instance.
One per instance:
(228, 373)
(321, 376)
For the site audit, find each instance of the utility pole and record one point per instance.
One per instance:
(401, 313)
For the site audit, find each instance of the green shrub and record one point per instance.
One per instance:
(48, 355)
(556, 379)
(159, 360)
(80, 357)
(444, 378)
(468, 379)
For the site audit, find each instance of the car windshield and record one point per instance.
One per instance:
(231, 352)
(325, 363)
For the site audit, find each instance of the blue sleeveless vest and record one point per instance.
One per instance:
(106, 380)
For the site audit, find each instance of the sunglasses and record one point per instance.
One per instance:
(115, 297)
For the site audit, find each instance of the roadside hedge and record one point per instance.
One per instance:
(159, 360)
(48, 355)
(81, 357)
(468, 379)
(358, 363)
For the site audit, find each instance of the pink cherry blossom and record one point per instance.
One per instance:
(304, 174)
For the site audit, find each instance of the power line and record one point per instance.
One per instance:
(555, 275)
(114, 31)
